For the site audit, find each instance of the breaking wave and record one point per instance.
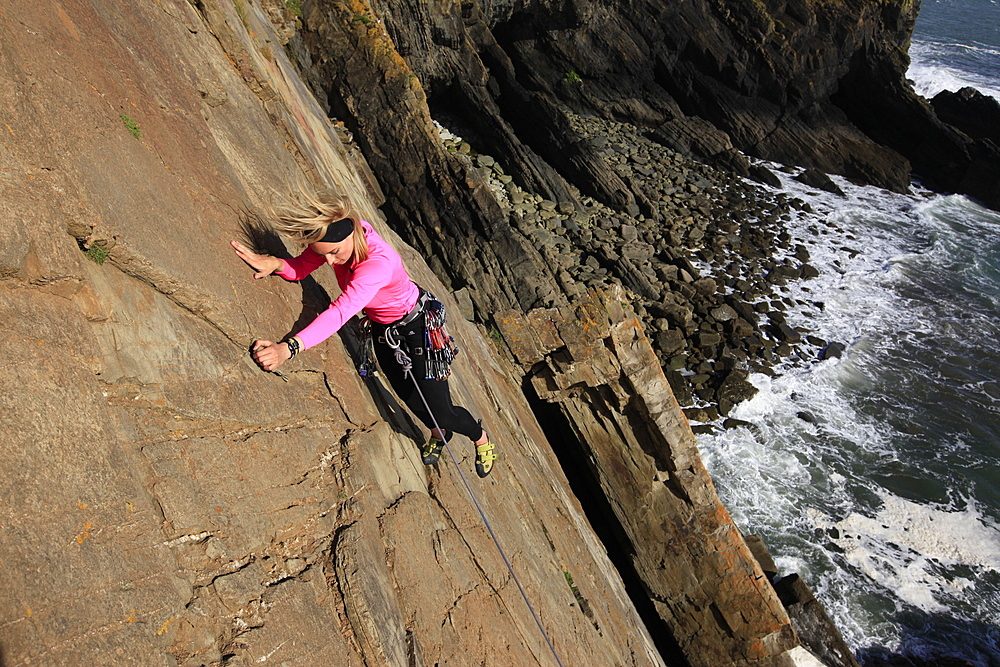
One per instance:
(876, 475)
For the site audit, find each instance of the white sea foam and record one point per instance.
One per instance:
(802, 475)
(864, 473)
(908, 547)
(930, 74)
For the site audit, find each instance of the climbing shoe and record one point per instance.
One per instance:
(431, 451)
(485, 457)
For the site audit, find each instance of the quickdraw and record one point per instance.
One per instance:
(367, 366)
(439, 347)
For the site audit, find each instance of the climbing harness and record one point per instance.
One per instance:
(439, 348)
(404, 360)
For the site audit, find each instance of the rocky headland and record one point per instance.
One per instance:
(615, 143)
(572, 178)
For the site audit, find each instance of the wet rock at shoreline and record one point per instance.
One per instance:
(817, 179)
(833, 351)
(735, 388)
(814, 626)
(972, 112)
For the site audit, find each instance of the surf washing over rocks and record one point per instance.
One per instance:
(847, 466)
(875, 475)
(709, 285)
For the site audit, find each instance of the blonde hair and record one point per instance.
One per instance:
(305, 221)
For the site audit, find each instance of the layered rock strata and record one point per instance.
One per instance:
(164, 501)
(536, 88)
(709, 284)
(168, 503)
(593, 361)
(817, 84)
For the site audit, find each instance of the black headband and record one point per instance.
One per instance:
(338, 231)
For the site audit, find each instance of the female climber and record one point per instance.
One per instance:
(400, 314)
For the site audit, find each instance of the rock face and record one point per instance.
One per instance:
(528, 86)
(811, 620)
(978, 116)
(818, 84)
(165, 502)
(593, 361)
(970, 111)
(453, 220)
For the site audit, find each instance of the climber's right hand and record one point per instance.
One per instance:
(269, 355)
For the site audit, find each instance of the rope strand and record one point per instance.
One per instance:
(407, 365)
(486, 522)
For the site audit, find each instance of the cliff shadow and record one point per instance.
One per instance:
(573, 457)
(389, 409)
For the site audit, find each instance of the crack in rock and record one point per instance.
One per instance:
(195, 538)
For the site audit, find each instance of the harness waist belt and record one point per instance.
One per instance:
(418, 308)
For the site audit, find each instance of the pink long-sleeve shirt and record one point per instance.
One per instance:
(379, 285)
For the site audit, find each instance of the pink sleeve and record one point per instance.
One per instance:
(299, 267)
(369, 277)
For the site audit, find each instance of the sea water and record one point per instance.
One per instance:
(876, 476)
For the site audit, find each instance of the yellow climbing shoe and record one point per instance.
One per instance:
(431, 451)
(485, 457)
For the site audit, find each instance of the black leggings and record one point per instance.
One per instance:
(436, 392)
